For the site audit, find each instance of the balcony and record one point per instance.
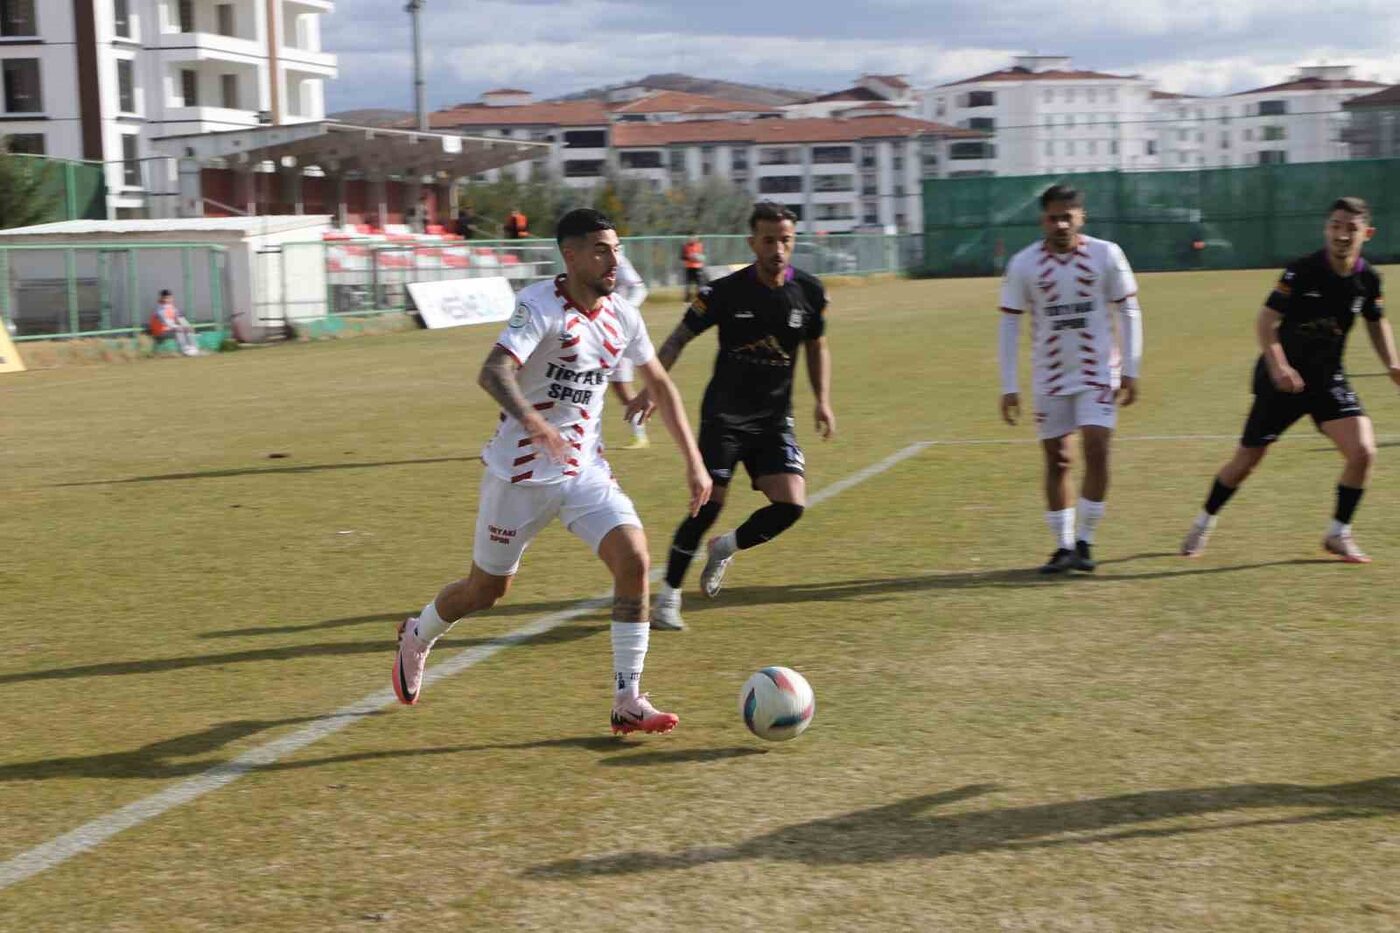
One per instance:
(320, 64)
(174, 47)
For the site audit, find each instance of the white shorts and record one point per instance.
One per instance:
(1058, 415)
(622, 372)
(509, 516)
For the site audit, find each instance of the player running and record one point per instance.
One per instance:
(547, 372)
(764, 313)
(634, 291)
(1069, 282)
(1302, 330)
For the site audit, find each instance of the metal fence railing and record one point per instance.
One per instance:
(70, 290)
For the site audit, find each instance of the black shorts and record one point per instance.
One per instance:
(1274, 412)
(763, 453)
(695, 276)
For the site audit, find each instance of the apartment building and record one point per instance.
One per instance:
(101, 79)
(1374, 124)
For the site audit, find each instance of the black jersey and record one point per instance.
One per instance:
(760, 329)
(1319, 308)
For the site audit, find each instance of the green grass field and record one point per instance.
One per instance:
(1169, 744)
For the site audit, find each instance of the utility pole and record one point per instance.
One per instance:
(412, 8)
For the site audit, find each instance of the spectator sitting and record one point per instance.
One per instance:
(167, 321)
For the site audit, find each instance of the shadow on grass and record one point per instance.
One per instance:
(258, 471)
(506, 608)
(189, 755)
(905, 830)
(384, 646)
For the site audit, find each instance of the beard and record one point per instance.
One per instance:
(603, 287)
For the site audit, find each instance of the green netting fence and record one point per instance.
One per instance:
(1225, 218)
(69, 190)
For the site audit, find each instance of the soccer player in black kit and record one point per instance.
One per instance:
(1302, 331)
(764, 313)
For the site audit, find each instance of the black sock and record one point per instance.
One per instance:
(766, 524)
(1219, 495)
(1348, 497)
(686, 541)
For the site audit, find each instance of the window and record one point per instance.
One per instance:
(1272, 157)
(228, 91)
(867, 156)
(126, 87)
(1224, 142)
(707, 160)
(796, 210)
(773, 156)
(870, 214)
(982, 99)
(185, 15)
(978, 150)
(899, 163)
(189, 87)
(17, 18)
(836, 212)
(1150, 147)
(121, 18)
(640, 160)
(989, 124)
(25, 143)
(131, 168)
(739, 160)
(583, 168)
(1113, 147)
(22, 86)
(586, 139)
(780, 184)
(1273, 108)
(677, 161)
(829, 155)
(868, 187)
(1272, 133)
(834, 183)
(225, 19)
(899, 191)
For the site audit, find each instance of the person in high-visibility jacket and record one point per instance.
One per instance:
(693, 261)
(167, 322)
(517, 225)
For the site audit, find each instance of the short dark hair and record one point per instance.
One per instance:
(165, 293)
(1352, 205)
(769, 210)
(581, 222)
(1068, 193)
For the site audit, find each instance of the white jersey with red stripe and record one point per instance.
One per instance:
(565, 356)
(1071, 298)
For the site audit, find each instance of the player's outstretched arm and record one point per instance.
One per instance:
(819, 374)
(1284, 377)
(668, 401)
(1383, 339)
(498, 378)
(641, 406)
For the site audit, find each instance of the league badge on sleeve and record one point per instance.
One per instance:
(521, 315)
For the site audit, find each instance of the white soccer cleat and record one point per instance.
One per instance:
(637, 714)
(712, 577)
(1194, 545)
(666, 613)
(409, 661)
(1345, 547)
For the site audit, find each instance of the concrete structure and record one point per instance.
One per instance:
(1047, 117)
(1374, 128)
(1300, 120)
(100, 80)
(886, 94)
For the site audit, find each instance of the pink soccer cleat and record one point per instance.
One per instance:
(636, 714)
(409, 662)
(1344, 546)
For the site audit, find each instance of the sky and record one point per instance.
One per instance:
(554, 47)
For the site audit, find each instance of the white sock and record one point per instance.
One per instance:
(726, 544)
(1090, 514)
(1062, 527)
(1205, 520)
(639, 430)
(1337, 528)
(629, 646)
(430, 626)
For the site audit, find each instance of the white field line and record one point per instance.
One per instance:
(97, 831)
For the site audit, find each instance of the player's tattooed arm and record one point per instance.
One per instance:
(498, 379)
(670, 351)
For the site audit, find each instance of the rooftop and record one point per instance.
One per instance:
(777, 132)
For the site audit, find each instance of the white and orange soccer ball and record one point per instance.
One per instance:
(777, 704)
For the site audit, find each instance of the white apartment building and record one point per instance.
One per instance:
(1046, 117)
(100, 79)
(1301, 120)
(577, 131)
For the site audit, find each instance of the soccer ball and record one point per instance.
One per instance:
(777, 704)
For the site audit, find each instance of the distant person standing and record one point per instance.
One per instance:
(167, 322)
(693, 262)
(634, 291)
(465, 226)
(517, 226)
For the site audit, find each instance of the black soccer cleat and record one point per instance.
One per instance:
(1083, 560)
(1060, 562)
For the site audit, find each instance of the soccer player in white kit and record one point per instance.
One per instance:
(1081, 371)
(548, 372)
(634, 291)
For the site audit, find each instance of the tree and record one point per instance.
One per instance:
(25, 196)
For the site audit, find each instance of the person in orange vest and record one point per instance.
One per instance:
(693, 261)
(167, 321)
(517, 225)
